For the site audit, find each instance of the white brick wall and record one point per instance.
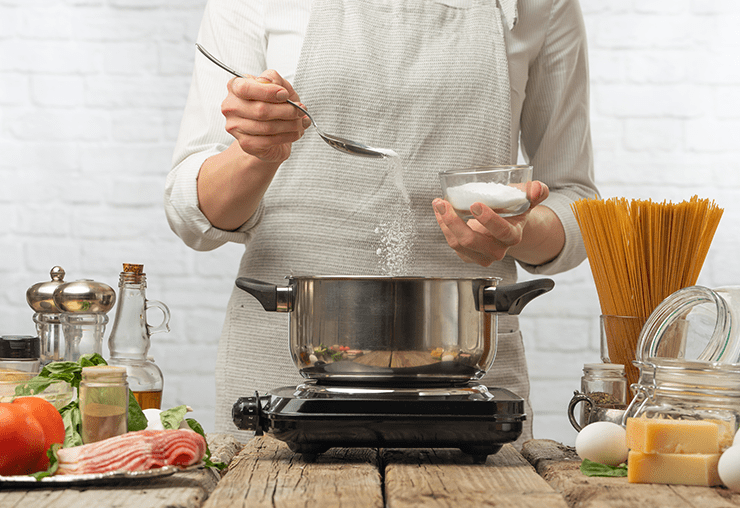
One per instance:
(91, 94)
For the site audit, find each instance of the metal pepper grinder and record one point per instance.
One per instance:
(40, 297)
(84, 304)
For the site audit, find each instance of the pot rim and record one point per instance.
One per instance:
(494, 280)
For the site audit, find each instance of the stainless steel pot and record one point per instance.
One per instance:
(393, 329)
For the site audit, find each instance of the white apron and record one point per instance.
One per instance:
(427, 79)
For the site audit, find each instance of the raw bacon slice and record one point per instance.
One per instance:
(134, 451)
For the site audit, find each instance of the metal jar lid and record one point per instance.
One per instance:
(40, 296)
(20, 347)
(84, 296)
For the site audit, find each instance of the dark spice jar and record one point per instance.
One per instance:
(20, 352)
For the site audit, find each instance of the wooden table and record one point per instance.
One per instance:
(266, 474)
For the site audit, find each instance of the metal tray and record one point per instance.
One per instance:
(87, 479)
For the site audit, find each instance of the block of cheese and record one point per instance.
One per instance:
(674, 468)
(656, 435)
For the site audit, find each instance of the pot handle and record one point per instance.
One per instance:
(512, 298)
(273, 298)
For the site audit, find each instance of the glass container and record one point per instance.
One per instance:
(694, 323)
(678, 389)
(606, 384)
(103, 398)
(20, 353)
(603, 395)
(129, 340)
(505, 189)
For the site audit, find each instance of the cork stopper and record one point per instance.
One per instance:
(132, 268)
(132, 274)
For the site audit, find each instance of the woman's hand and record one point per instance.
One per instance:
(263, 124)
(489, 237)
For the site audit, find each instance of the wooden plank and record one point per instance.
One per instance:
(181, 490)
(559, 466)
(445, 477)
(267, 474)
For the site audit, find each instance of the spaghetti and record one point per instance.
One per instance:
(640, 252)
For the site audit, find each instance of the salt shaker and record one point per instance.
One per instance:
(103, 402)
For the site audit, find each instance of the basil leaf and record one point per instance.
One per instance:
(136, 417)
(590, 468)
(171, 418)
(34, 386)
(194, 425)
(71, 372)
(91, 360)
(72, 419)
(53, 462)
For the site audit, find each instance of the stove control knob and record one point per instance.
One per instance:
(248, 415)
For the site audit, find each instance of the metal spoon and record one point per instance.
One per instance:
(341, 144)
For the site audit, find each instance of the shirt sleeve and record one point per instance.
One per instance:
(233, 32)
(555, 127)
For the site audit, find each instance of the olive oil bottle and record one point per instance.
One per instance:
(129, 339)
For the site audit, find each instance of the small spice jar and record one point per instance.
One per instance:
(104, 399)
(20, 353)
(605, 384)
(603, 395)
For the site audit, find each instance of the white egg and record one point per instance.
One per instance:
(603, 442)
(729, 468)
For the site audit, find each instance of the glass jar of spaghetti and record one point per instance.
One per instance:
(694, 323)
(104, 399)
(679, 389)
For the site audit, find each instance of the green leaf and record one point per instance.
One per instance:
(91, 360)
(171, 418)
(194, 425)
(34, 386)
(590, 468)
(72, 419)
(53, 462)
(54, 372)
(136, 417)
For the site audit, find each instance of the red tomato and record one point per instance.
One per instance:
(28, 427)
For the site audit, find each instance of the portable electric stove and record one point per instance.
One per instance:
(313, 417)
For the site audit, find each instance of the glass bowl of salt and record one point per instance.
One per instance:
(502, 188)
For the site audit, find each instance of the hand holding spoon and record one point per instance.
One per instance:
(336, 142)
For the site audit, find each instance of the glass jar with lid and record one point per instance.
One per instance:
(603, 395)
(605, 384)
(679, 389)
(20, 353)
(104, 397)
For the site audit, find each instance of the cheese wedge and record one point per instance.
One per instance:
(655, 435)
(674, 468)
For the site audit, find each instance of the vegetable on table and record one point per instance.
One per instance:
(28, 428)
